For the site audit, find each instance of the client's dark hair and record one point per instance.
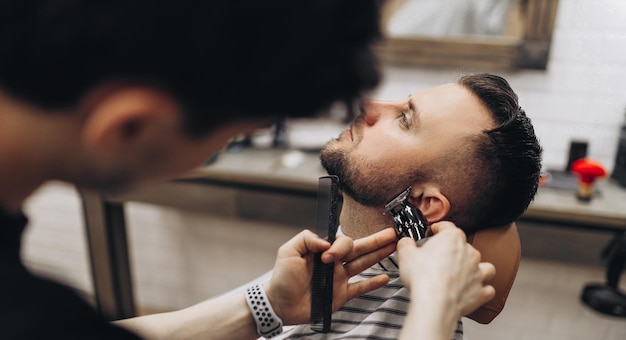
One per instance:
(504, 173)
(221, 59)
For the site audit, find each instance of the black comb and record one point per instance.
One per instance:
(328, 206)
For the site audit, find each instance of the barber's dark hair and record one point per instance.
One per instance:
(506, 176)
(220, 59)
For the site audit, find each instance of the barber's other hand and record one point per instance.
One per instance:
(289, 289)
(446, 270)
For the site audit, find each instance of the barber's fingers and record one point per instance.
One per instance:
(488, 292)
(488, 271)
(474, 299)
(379, 240)
(479, 292)
(338, 250)
(367, 260)
(365, 286)
(305, 242)
(343, 249)
(473, 253)
(442, 226)
(406, 243)
(356, 256)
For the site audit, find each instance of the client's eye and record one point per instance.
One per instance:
(404, 119)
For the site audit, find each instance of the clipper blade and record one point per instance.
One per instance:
(397, 201)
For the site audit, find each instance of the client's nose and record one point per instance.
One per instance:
(370, 109)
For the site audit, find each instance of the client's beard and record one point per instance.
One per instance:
(374, 190)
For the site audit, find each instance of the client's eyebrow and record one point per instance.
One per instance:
(415, 114)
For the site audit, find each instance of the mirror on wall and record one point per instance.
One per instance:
(494, 34)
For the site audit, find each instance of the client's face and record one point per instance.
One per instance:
(392, 145)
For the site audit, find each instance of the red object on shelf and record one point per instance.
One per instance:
(588, 171)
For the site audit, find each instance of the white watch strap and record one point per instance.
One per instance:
(268, 324)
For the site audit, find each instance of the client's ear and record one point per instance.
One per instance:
(123, 115)
(431, 202)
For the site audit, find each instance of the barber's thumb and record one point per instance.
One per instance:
(405, 242)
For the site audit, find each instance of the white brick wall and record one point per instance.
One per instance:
(177, 257)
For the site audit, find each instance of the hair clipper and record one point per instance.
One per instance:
(407, 219)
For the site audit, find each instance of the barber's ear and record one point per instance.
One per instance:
(120, 117)
(431, 202)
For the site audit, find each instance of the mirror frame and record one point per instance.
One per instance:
(530, 51)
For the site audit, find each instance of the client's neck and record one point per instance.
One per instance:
(358, 221)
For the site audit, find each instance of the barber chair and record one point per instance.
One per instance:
(607, 298)
(501, 247)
